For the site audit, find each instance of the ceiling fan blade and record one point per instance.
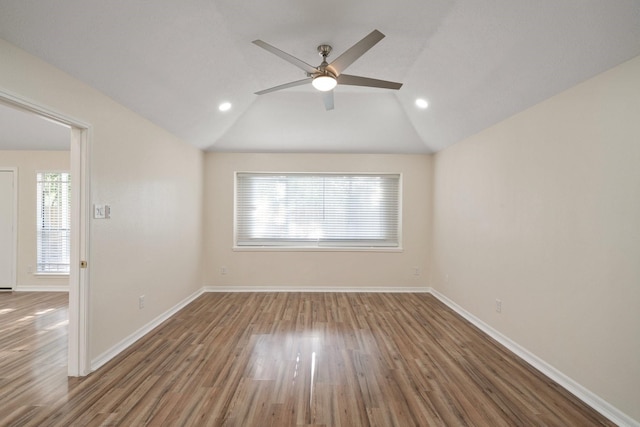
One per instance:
(285, 86)
(355, 52)
(327, 97)
(346, 79)
(284, 55)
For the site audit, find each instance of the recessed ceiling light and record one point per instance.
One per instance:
(225, 106)
(422, 103)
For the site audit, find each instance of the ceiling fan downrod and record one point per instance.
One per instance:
(324, 50)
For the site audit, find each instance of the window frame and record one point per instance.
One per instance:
(37, 271)
(317, 248)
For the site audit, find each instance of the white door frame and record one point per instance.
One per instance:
(14, 237)
(81, 134)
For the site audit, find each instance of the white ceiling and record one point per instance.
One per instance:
(477, 62)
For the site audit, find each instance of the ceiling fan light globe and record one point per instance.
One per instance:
(324, 83)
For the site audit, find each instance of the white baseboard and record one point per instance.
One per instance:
(128, 341)
(414, 290)
(588, 397)
(28, 288)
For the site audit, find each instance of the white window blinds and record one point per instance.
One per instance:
(53, 222)
(317, 210)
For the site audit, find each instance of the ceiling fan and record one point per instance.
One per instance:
(326, 76)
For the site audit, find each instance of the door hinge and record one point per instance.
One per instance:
(83, 264)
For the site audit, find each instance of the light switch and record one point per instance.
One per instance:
(98, 211)
(102, 211)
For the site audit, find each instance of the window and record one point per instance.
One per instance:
(317, 210)
(54, 222)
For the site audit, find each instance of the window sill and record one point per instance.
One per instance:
(51, 275)
(313, 249)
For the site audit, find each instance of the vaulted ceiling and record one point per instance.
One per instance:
(476, 62)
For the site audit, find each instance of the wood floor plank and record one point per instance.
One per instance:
(279, 359)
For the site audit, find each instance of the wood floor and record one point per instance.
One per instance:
(279, 359)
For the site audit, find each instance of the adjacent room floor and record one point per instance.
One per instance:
(279, 359)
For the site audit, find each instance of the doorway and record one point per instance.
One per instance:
(78, 363)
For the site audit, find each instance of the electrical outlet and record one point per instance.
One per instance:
(141, 302)
(223, 270)
(498, 306)
(416, 271)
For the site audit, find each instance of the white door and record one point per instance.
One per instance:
(7, 227)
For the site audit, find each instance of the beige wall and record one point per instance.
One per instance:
(152, 244)
(28, 164)
(300, 269)
(543, 212)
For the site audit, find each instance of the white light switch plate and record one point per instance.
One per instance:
(98, 211)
